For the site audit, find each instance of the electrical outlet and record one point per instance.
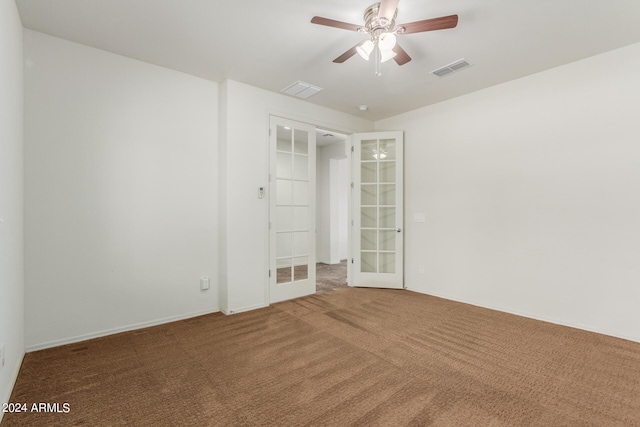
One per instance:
(204, 283)
(421, 269)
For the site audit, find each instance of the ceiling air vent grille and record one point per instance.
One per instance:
(301, 90)
(450, 68)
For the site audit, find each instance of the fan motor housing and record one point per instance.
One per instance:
(373, 24)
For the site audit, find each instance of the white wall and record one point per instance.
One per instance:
(11, 197)
(120, 192)
(246, 148)
(530, 191)
(331, 206)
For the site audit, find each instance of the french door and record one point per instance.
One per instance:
(292, 221)
(377, 210)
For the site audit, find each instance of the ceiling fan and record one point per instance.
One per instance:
(380, 25)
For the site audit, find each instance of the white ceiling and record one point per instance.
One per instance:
(271, 43)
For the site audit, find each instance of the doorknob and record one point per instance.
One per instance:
(398, 229)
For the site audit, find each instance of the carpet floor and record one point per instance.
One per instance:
(365, 357)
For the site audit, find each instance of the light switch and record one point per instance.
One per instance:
(419, 217)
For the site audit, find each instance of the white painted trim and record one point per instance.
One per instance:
(531, 316)
(350, 167)
(310, 121)
(106, 332)
(5, 399)
(243, 309)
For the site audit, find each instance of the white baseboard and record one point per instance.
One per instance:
(98, 334)
(532, 316)
(242, 309)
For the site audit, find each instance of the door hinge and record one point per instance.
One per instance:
(352, 224)
(269, 225)
(352, 149)
(352, 185)
(269, 131)
(352, 261)
(269, 273)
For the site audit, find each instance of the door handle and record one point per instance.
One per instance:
(398, 229)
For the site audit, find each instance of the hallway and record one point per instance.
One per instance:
(330, 277)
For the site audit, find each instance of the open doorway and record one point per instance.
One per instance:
(332, 211)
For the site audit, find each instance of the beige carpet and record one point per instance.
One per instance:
(349, 357)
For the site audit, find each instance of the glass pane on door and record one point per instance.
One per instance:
(292, 204)
(377, 244)
(377, 206)
(301, 268)
(292, 209)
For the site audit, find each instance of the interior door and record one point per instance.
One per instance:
(377, 210)
(292, 221)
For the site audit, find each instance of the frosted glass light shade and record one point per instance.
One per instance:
(386, 55)
(365, 49)
(387, 41)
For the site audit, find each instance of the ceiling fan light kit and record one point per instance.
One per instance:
(386, 42)
(386, 55)
(365, 49)
(380, 25)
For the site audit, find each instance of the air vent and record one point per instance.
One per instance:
(448, 69)
(301, 90)
(442, 71)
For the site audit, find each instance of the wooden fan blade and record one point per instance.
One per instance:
(387, 9)
(348, 54)
(401, 57)
(333, 23)
(432, 24)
